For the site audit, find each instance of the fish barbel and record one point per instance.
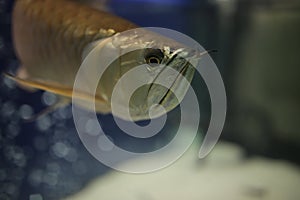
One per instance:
(51, 38)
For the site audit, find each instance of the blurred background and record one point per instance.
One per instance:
(258, 47)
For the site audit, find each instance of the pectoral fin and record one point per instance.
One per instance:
(56, 89)
(41, 85)
(22, 74)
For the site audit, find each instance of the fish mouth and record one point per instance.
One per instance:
(169, 83)
(179, 77)
(159, 95)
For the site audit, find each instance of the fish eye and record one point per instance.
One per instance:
(153, 60)
(153, 57)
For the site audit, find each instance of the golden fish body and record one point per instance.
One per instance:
(51, 37)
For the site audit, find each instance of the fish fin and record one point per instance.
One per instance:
(22, 73)
(61, 102)
(56, 89)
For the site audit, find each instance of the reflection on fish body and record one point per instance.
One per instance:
(52, 38)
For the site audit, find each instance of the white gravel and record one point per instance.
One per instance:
(223, 175)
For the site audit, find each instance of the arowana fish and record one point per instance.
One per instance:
(51, 38)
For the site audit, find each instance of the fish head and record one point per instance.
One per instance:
(150, 78)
